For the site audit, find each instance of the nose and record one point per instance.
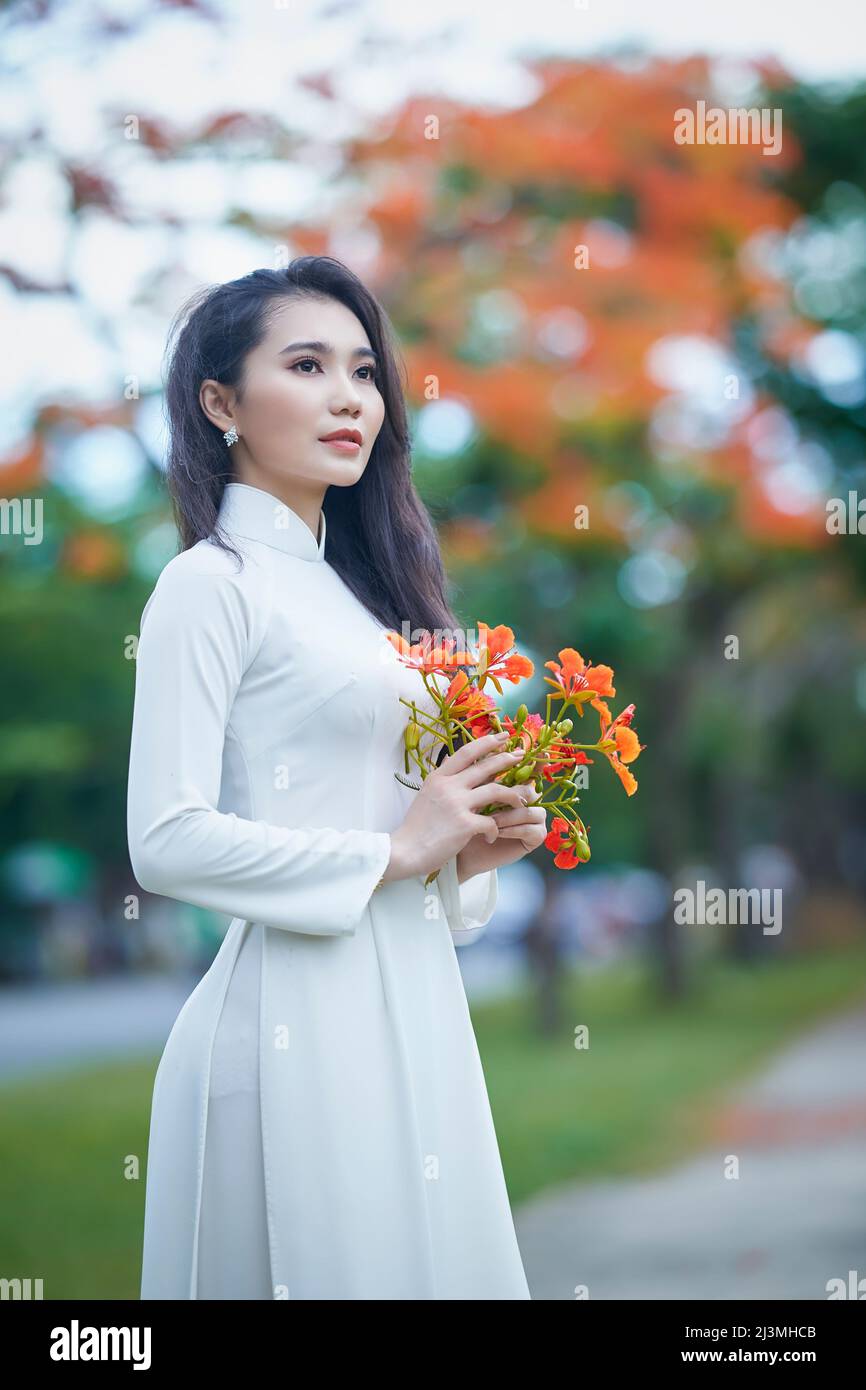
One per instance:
(346, 396)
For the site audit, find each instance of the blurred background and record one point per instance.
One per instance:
(636, 375)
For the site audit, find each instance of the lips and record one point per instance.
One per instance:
(350, 436)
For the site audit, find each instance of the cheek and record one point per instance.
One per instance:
(377, 411)
(282, 402)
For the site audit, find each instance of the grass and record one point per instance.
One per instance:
(73, 1147)
(642, 1092)
(70, 1215)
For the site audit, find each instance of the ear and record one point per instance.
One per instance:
(218, 403)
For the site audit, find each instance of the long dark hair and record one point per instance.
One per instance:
(380, 538)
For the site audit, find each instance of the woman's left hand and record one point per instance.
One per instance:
(521, 830)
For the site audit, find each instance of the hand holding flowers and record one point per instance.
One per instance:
(546, 757)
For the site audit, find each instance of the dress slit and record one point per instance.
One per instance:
(233, 1248)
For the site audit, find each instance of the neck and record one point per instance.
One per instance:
(303, 496)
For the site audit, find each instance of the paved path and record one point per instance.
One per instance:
(795, 1217)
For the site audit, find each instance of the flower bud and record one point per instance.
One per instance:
(523, 774)
(520, 716)
(565, 726)
(412, 735)
(581, 848)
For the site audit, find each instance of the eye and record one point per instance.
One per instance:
(303, 361)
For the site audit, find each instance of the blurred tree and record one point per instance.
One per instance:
(592, 315)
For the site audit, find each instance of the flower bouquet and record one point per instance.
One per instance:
(466, 711)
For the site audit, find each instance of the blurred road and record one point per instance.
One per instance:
(46, 1027)
(793, 1219)
(49, 1026)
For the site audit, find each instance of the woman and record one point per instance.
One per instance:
(320, 1125)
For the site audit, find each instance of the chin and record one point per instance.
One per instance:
(346, 475)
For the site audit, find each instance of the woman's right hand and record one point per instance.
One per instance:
(444, 815)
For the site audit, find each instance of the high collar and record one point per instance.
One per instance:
(258, 515)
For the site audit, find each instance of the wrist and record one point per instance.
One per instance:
(399, 865)
(460, 863)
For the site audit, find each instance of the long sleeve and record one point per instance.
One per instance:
(470, 905)
(199, 632)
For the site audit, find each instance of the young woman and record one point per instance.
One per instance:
(320, 1126)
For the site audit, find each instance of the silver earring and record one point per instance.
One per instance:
(230, 436)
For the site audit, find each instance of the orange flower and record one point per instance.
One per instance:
(565, 755)
(627, 745)
(568, 842)
(577, 681)
(493, 644)
(531, 726)
(429, 656)
(605, 716)
(624, 746)
(465, 701)
(528, 733)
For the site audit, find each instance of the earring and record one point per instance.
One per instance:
(230, 436)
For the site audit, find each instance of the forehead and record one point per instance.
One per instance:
(291, 320)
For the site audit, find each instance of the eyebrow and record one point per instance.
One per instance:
(327, 348)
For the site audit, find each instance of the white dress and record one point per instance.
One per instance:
(320, 1126)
